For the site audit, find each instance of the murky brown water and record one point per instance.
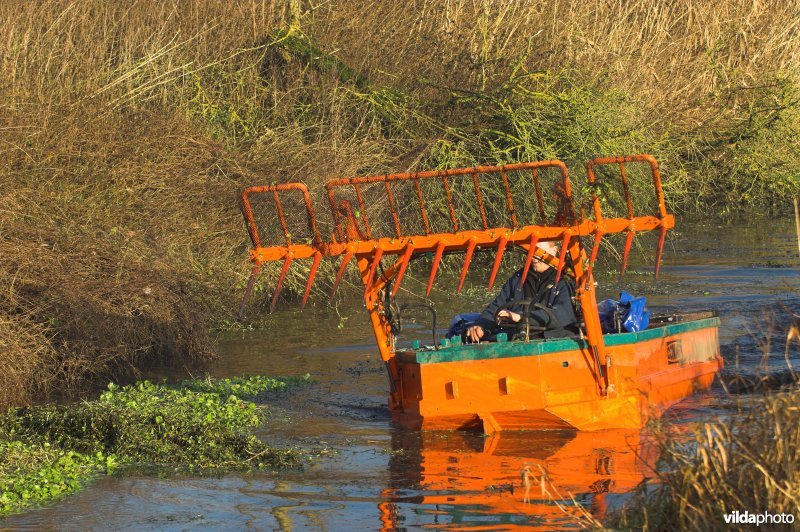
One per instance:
(381, 476)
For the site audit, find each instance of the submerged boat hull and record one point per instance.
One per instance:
(551, 384)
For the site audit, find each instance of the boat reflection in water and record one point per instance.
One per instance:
(467, 480)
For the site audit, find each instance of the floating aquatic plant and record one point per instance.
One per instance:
(52, 450)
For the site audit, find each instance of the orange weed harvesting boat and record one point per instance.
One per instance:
(593, 381)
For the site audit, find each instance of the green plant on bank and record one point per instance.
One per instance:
(753, 159)
(393, 110)
(52, 450)
(544, 115)
(537, 116)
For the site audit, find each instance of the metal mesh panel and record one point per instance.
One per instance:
(280, 217)
(450, 201)
(408, 207)
(626, 189)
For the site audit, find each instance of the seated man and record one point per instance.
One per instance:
(559, 319)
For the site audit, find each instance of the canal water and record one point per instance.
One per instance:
(369, 474)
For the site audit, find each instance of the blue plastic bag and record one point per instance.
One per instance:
(630, 311)
(637, 317)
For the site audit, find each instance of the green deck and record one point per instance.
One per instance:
(457, 352)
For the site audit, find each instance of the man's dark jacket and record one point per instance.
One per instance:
(538, 286)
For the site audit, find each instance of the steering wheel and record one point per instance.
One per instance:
(517, 326)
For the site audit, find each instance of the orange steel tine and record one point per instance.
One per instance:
(437, 257)
(282, 218)
(247, 211)
(598, 213)
(371, 275)
(662, 207)
(286, 262)
(249, 288)
(508, 197)
(629, 203)
(479, 197)
(626, 252)
(405, 260)
(626, 189)
(501, 247)
(467, 259)
(336, 214)
(529, 259)
(393, 208)
(598, 237)
(311, 275)
(345, 260)
(660, 249)
(563, 255)
(422, 208)
(662, 210)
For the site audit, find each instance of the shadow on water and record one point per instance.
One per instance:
(371, 474)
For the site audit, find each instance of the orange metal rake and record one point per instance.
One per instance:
(667, 221)
(288, 256)
(352, 234)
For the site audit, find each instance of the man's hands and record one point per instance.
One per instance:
(476, 332)
(508, 315)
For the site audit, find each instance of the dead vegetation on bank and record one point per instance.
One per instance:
(126, 129)
(743, 464)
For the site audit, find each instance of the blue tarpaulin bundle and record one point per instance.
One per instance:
(630, 311)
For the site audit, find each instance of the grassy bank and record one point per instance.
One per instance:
(47, 452)
(127, 128)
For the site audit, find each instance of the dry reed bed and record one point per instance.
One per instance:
(126, 129)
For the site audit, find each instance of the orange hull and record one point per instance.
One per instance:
(550, 384)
